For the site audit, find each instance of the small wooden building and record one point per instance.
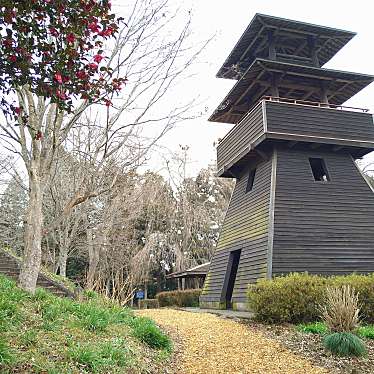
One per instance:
(300, 203)
(190, 278)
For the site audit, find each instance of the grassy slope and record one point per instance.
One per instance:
(63, 280)
(46, 334)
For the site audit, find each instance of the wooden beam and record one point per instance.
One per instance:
(293, 33)
(284, 31)
(324, 44)
(249, 87)
(274, 85)
(230, 172)
(300, 47)
(294, 86)
(327, 79)
(320, 139)
(315, 145)
(305, 75)
(323, 98)
(290, 93)
(313, 50)
(271, 41)
(250, 45)
(263, 92)
(262, 154)
(240, 108)
(296, 57)
(228, 70)
(308, 94)
(262, 45)
(334, 93)
(238, 113)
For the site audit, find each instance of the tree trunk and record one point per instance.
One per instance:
(93, 253)
(62, 260)
(33, 237)
(64, 244)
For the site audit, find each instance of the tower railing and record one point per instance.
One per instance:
(303, 103)
(313, 103)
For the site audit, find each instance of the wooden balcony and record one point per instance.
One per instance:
(276, 120)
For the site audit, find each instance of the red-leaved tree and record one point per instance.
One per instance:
(55, 48)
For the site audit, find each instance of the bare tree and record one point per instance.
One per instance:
(124, 229)
(13, 203)
(201, 204)
(152, 50)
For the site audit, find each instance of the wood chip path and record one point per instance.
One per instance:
(215, 345)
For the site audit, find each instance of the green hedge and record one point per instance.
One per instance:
(294, 298)
(189, 298)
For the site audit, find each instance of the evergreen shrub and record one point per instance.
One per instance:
(344, 344)
(295, 298)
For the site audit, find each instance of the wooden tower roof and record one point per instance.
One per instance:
(292, 39)
(294, 81)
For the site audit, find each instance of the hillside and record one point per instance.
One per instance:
(47, 334)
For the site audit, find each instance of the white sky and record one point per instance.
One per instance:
(228, 20)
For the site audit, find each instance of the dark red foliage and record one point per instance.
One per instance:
(38, 135)
(58, 77)
(70, 38)
(98, 58)
(93, 66)
(64, 61)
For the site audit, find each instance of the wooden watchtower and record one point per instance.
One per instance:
(300, 203)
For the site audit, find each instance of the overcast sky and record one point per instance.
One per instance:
(228, 20)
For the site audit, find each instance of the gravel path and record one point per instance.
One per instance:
(215, 345)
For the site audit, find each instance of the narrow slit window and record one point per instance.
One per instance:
(319, 169)
(251, 179)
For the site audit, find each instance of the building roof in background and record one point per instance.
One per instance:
(196, 271)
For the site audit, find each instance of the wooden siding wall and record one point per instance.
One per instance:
(245, 227)
(319, 122)
(322, 227)
(240, 137)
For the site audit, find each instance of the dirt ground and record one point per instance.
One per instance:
(210, 344)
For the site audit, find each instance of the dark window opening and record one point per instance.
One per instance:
(319, 169)
(251, 179)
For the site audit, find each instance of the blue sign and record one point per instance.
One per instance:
(139, 294)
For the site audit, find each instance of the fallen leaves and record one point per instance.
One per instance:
(216, 345)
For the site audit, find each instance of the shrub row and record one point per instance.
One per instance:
(295, 298)
(189, 298)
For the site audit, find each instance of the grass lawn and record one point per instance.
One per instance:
(47, 334)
